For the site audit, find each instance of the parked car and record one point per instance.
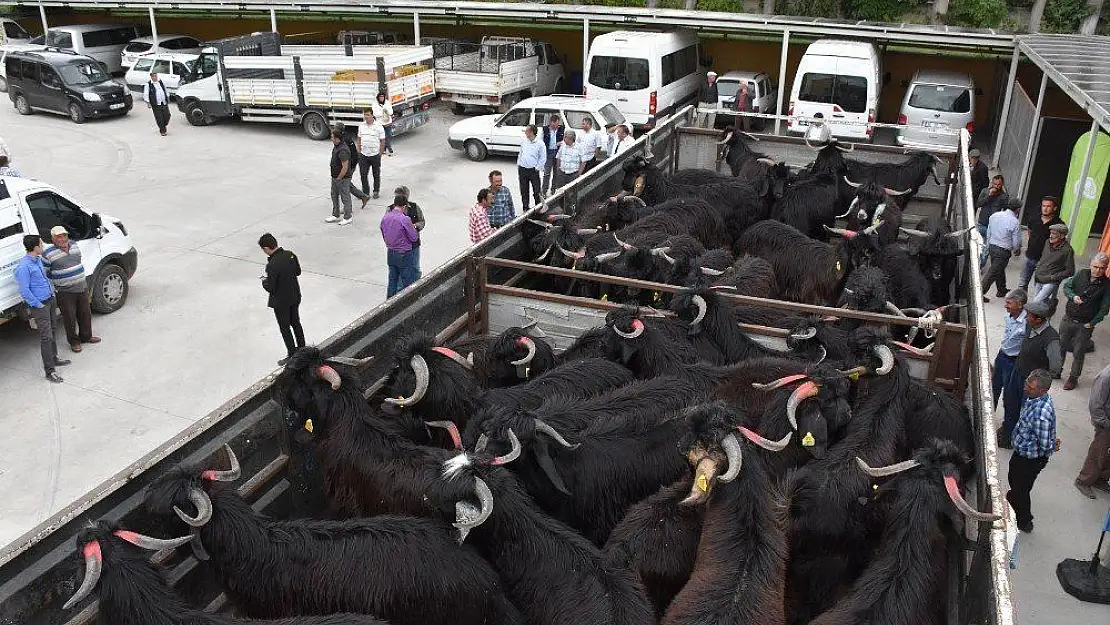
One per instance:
(842, 80)
(167, 44)
(62, 81)
(501, 134)
(761, 88)
(12, 32)
(371, 38)
(173, 69)
(936, 106)
(32, 207)
(103, 42)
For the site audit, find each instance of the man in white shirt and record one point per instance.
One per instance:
(383, 111)
(529, 164)
(589, 143)
(569, 161)
(1003, 239)
(370, 145)
(158, 101)
(622, 140)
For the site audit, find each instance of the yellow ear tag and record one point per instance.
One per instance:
(308, 425)
(838, 265)
(656, 296)
(808, 440)
(702, 483)
(874, 487)
(604, 297)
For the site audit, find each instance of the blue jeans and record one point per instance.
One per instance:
(403, 270)
(982, 255)
(1013, 395)
(1003, 369)
(1027, 273)
(1042, 292)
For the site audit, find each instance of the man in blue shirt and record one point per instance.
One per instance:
(35, 288)
(529, 164)
(1003, 240)
(1034, 440)
(501, 210)
(1013, 332)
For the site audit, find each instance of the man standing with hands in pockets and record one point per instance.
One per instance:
(529, 164)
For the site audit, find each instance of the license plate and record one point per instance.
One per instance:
(116, 106)
(934, 125)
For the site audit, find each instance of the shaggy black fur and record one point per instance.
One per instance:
(933, 414)
(937, 257)
(871, 196)
(698, 218)
(908, 174)
(866, 289)
(810, 203)
(806, 270)
(908, 286)
(720, 326)
(134, 591)
(493, 353)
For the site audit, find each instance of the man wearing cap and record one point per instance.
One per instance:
(707, 98)
(1057, 262)
(1040, 349)
(1088, 301)
(1003, 240)
(1038, 237)
(980, 178)
(62, 262)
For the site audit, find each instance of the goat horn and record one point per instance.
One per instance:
(699, 301)
(894, 310)
(451, 428)
(574, 255)
(709, 271)
(887, 471)
(467, 363)
(543, 224)
(199, 552)
(357, 363)
(586, 231)
(202, 503)
(329, 375)
(852, 184)
(933, 170)
(704, 474)
(800, 394)
(871, 229)
(529, 345)
(851, 147)
(767, 161)
(550, 431)
(851, 207)
(230, 475)
(465, 519)
(854, 371)
(915, 233)
(848, 291)
(779, 383)
(959, 233)
(420, 368)
(749, 135)
(886, 357)
(847, 234)
(805, 335)
(635, 198)
(607, 256)
(93, 566)
(914, 311)
(150, 543)
(559, 217)
(914, 350)
(728, 135)
(545, 254)
(824, 353)
(723, 287)
(625, 246)
(514, 451)
(637, 330)
(893, 192)
(662, 253)
(735, 457)
(953, 489)
(767, 444)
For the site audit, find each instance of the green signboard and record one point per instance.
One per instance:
(1091, 188)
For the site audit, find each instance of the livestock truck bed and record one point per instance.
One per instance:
(486, 289)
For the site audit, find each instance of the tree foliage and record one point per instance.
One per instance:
(878, 10)
(1064, 16)
(977, 13)
(808, 8)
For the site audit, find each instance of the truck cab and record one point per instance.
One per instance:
(32, 207)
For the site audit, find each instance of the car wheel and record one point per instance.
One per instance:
(3, 85)
(315, 126)
(475, 150)
(458, 109)
(109, 289)
(194, 112)
(22, 105)
(76, 114)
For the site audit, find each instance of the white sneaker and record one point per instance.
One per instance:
(344, 222)
(332, 219)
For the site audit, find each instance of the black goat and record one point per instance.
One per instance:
(133, 591)
(323, 567)
(909, 288)
(936, 249)
(810, 204)
(741, 159)
(507, 358)
(705, 311)
(907, 175)
(806, 270)
(875, 210)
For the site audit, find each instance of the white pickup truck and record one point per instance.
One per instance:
(497, 73)
(32, 207)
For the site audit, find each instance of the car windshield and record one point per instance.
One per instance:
(138, 46)
(941, 98)
(610, 115)
(82, 73)
(619, 73)
(847, 92)
(727, 89)
(13, 30)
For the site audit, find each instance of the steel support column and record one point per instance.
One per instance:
(153, 27)
(273, 21)
(415, 28)
(782, 77)
(585, 48)
(1006, 104)
(1034, 130)
(42, 15)
(1081, 184)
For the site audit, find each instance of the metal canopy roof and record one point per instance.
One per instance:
(1078, 64)
(918, 34)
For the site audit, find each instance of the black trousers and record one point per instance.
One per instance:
(161, 115)
(289, 317)
(76, 316)
(999, 258)
(365, 165)
(528, 177)
(1023, 472)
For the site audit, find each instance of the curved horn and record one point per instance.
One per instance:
(847, 234)
(886, 471)
(635, 198)
(637, 330)
(357, 363)
(699, 301)
(546, 253)
(959, 233)
(543, 224)
(851, 207)
(574, 255)
(480, 445)
(767, 161)
(451, 428)
(735, 458)
(662, 253)
(886, 357)
(779, 383)
(607, 256)
(420, 368)
(854, 371)
(769, 445)
(917, 351)
(917, 233)
(586, 231)
(953, 489)
(800, 394)
(914, 311)
(466, 363)
(704, 474)
(851, 147)
(329, 375)
(805, 335)
(529, 345)
(824, 354)
(894, 310)
(93, 567)
(151, 543)
(199, 552)
(896, 193)
(625, 246)
(230, 475)
(728, 135)
(559, 217)
(514, 451)
(465, 520)
(550, 431)
(709, 271)
(749, 135)
(855, 185)
(202, 503)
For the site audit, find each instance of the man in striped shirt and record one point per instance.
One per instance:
(1034, 441)
(62, 262)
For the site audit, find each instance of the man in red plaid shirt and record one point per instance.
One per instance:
(479, 217)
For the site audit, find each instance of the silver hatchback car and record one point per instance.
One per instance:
(936, 106)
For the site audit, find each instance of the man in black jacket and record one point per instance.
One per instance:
(281, 283)
(552, 137)
(980, 178)
(1038, 236)
(1088, 297)
(158, 100)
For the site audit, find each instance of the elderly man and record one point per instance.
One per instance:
(62, 262)
(1040, 349)
(1057, 263)
(1013, 332)
(1038, 237)
(1034, 443)
(529, 165)
(590, 142)
(1088, 301)
(1096, 467)
(743, 104)
(158, 100)
(980, 177)
(569, 161)
(37, 293)
(1003, 239)
(707, 98)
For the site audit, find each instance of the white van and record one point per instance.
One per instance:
(648, 75)
(103, 42)
(936, 106)
(31, 207)
(841, 80)
(12, 32)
